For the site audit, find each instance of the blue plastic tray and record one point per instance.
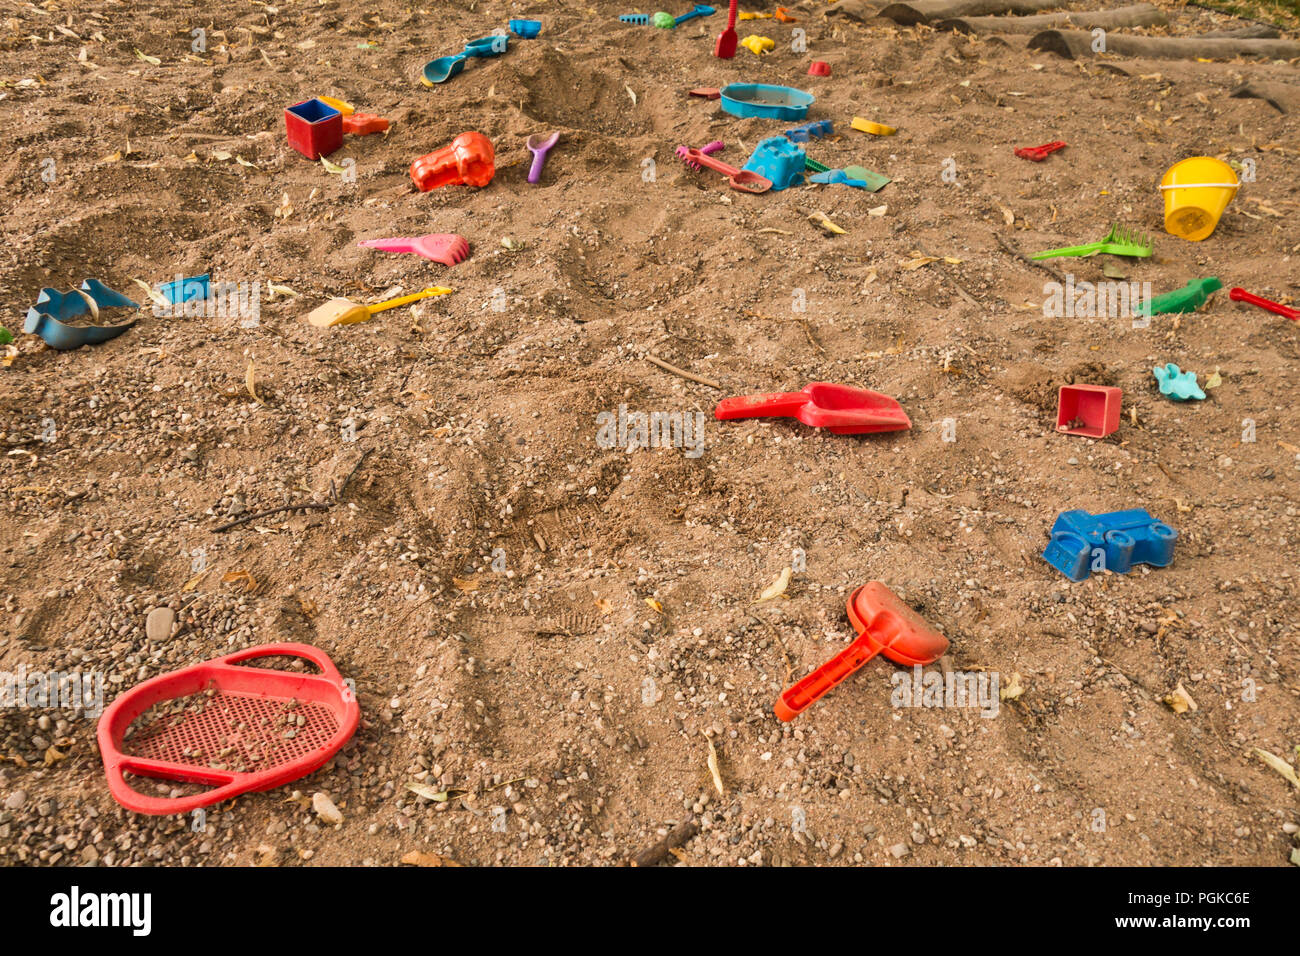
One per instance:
(768, 102)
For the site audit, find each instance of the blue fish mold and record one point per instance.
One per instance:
(48, 318)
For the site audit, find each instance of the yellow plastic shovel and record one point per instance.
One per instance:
(347, 312)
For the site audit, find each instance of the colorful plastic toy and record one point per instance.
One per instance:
(812, 166)
(863, 125)
(539, 144)
(1120, 241)
(1082, 542)
(1176, 384)
(443, 68)
(1187, 299)
(347, 312)
(445, 247)
(1088, 410)
(779, 160)
(725, 46)
(741, 179)
(468, 160)
(819, 68)
(837, 176)
(185, 290)
(885, 625)
(636, 19)
(363, 124)
(841, 409)
(1197, 191)
(48, 317)
(769, 102)
(758, 45)
(666, 21)
(1039, 153)
(706, 92)
(314, 129)
(814, 130)
(236, 729)
(1238, 294)
(875, 181)
(341, 105)
(528, 29)
(783, 16)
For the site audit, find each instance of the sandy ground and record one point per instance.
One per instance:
(547, 630)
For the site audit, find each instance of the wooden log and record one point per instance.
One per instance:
(1137, 15)
(1077, 44)
(1256, 31)
(1280, 96)
(927, 11)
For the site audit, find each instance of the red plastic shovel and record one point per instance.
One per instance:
(725, 48)
(839, 408)
(1239, 294)
(885, 625)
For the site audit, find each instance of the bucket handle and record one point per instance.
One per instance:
(1200, 185)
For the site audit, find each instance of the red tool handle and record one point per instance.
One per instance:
(1239, 294)
(707, 161)
(805, 693)
(1039, 153)
(769, 405)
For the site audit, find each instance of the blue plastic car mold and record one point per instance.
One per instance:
(1082, 542)
(183, 290)
(814, 130)
(779, 160)
(48, 317)
(526, 28)
(1178, 385)
(769, 102)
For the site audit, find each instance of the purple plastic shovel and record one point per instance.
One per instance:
(540, 145)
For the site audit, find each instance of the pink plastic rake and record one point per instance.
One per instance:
(445, 247)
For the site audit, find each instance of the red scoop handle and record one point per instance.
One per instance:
(795, 700)
(1239, 294)
(766, 405)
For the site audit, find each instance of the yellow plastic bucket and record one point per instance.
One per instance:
(1196, 192)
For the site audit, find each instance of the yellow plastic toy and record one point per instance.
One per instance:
(758, 45)
(1197, 191)
(875, 129)
(754, 16)
(344, 108)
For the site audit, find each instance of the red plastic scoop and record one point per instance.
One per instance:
(885, 625)
(839, 408)
(1039, 153)
(1239, 294)
(238, 729)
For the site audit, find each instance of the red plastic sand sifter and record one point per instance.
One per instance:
(840, 409)
(885, 625)
(237, 729)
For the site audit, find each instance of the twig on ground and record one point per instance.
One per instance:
(654, 360)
